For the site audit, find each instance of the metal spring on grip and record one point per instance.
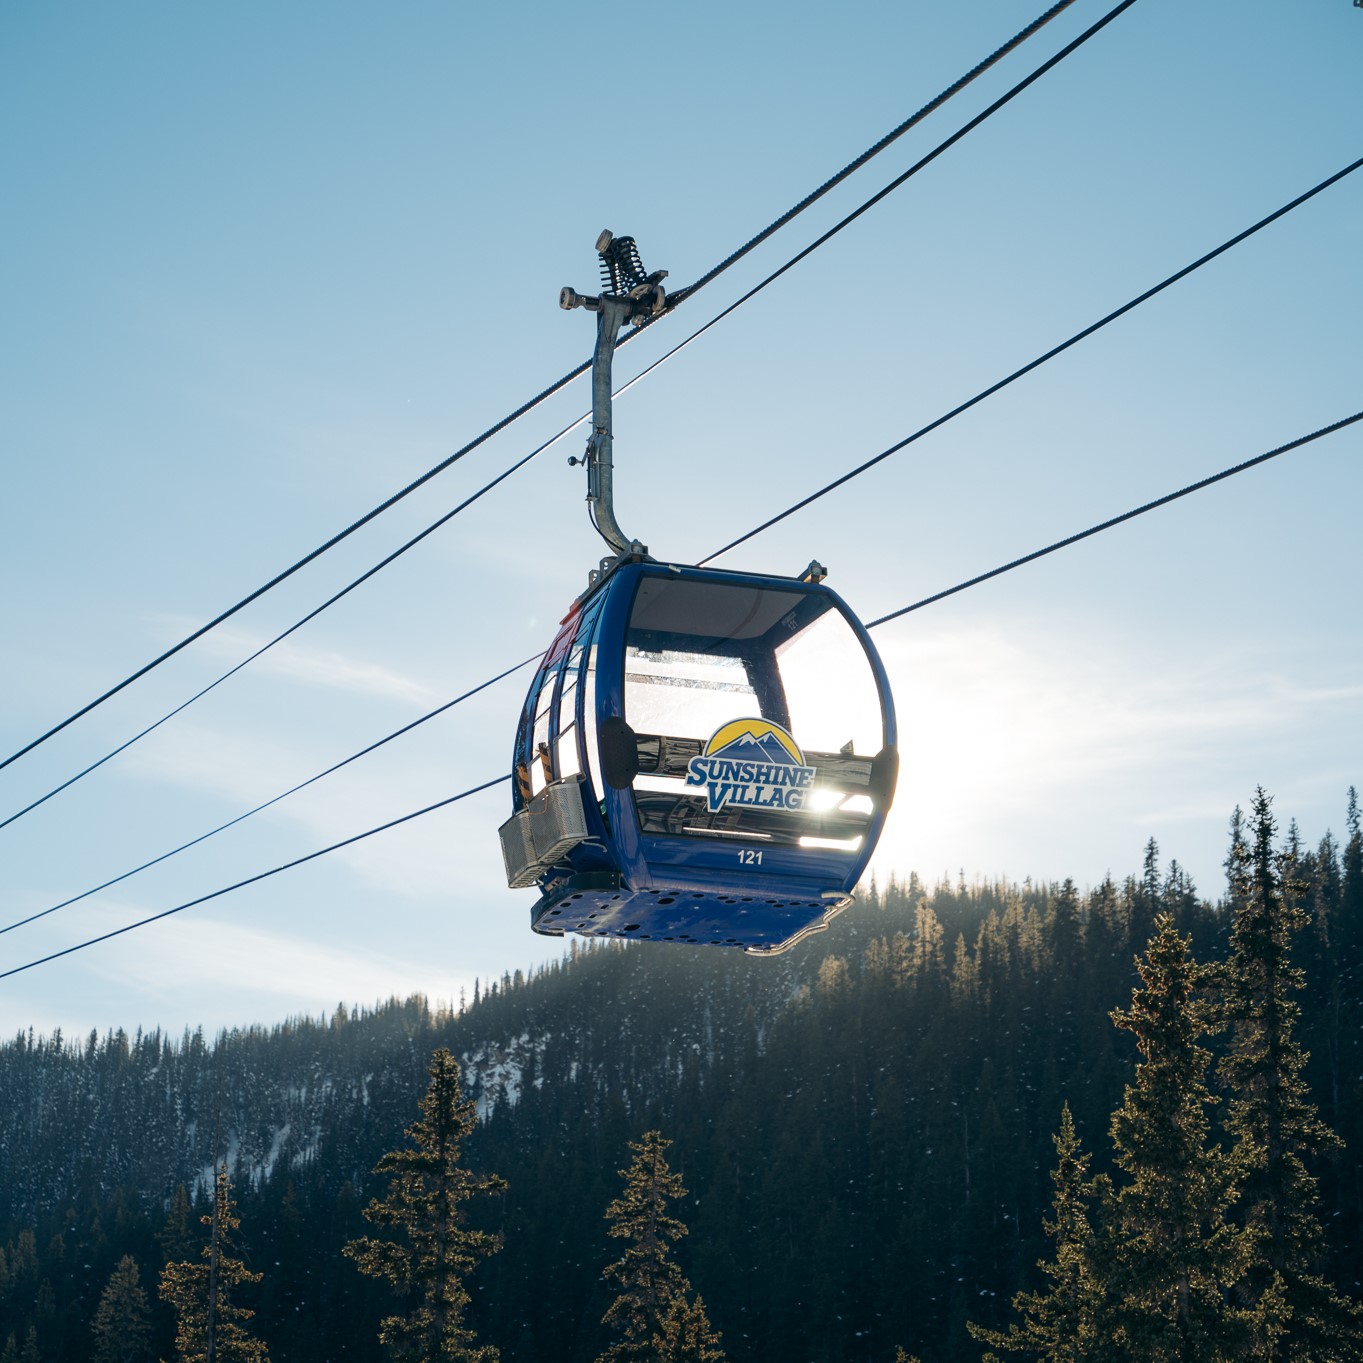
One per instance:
(621, 266)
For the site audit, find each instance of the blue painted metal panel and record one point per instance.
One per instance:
(698, 886)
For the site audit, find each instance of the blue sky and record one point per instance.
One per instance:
(261, 268)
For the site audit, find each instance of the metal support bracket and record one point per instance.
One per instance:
(628, 296)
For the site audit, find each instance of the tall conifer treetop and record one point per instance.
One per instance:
(122, 1324)
(655, 1317)
(427, 1192)
(211, 1326)
(1170, 1252)
(1062, 1325)
(1271, 1115)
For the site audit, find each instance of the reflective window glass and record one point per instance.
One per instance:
(589, 724)
(700, 656)
(540, 736)
(567, 727)
(688, 695)
(830, 688)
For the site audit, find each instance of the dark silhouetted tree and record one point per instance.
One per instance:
(1273, 1119)
(210, 1326)
(177, 1237)
(427, 1192)
(1236, 857)
(122, 1325)
(1064, 1324)
(655, 1316)
(1170, 1252)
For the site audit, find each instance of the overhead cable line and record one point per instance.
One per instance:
(865, 206)
(1118, 520)
(677, 298)
(893, 135)
(1039, 361)
(283, 795)
(297, 625)
(1006, 98)
(1112, 316)
(700, 331)
(884, 619)
(345, 591)
(893, 615)
(252, 880)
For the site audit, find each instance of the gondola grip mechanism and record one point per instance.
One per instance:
(629, 295)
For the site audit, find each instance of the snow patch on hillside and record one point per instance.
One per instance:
(495, 1072)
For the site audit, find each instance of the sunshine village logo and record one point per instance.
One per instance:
(754, 764)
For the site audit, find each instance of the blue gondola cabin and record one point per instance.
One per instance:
(704, 756)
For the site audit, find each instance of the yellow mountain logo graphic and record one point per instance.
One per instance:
(760, 736)
(754, 764)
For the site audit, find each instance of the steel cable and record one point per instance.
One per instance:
(279, 638)
(884, 619)
(979, 397)
(1118, 520)
(539, 398)
(283, 795)
(252, 880)
(744, 298)
(892, 136)
(1038, 362)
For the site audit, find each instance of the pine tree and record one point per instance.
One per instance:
(1170, 1253)
(1236, 857)
(684, 1334)
(211, 1327)
(1064, 930)
(653, 1317)
(176, 1236)
(1146, 896)
(1273, 1120)
(122, 1325)
(1350, 935)
(1064, 1324)
(427, 1190)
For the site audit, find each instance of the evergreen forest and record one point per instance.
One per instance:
(896, 1140)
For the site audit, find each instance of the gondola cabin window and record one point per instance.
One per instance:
(754, 708)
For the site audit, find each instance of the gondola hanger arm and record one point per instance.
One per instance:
(628, 295)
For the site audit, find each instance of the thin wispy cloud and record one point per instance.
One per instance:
(305, 665)
(1014, 744)
(281, 973)
(243, 768)
(419, 860)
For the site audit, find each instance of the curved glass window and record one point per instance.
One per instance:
(567, 715)
(755, 710)
(830, 688)
(589, 723)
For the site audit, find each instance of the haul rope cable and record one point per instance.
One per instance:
(893, 615)
(1149, 293)
(364, 577)
(751, 293)
(1118, 520)
(283, 795)
(264, 875)
(1039, 361)
(581, 369)
(1016, 41)
(279, 638)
